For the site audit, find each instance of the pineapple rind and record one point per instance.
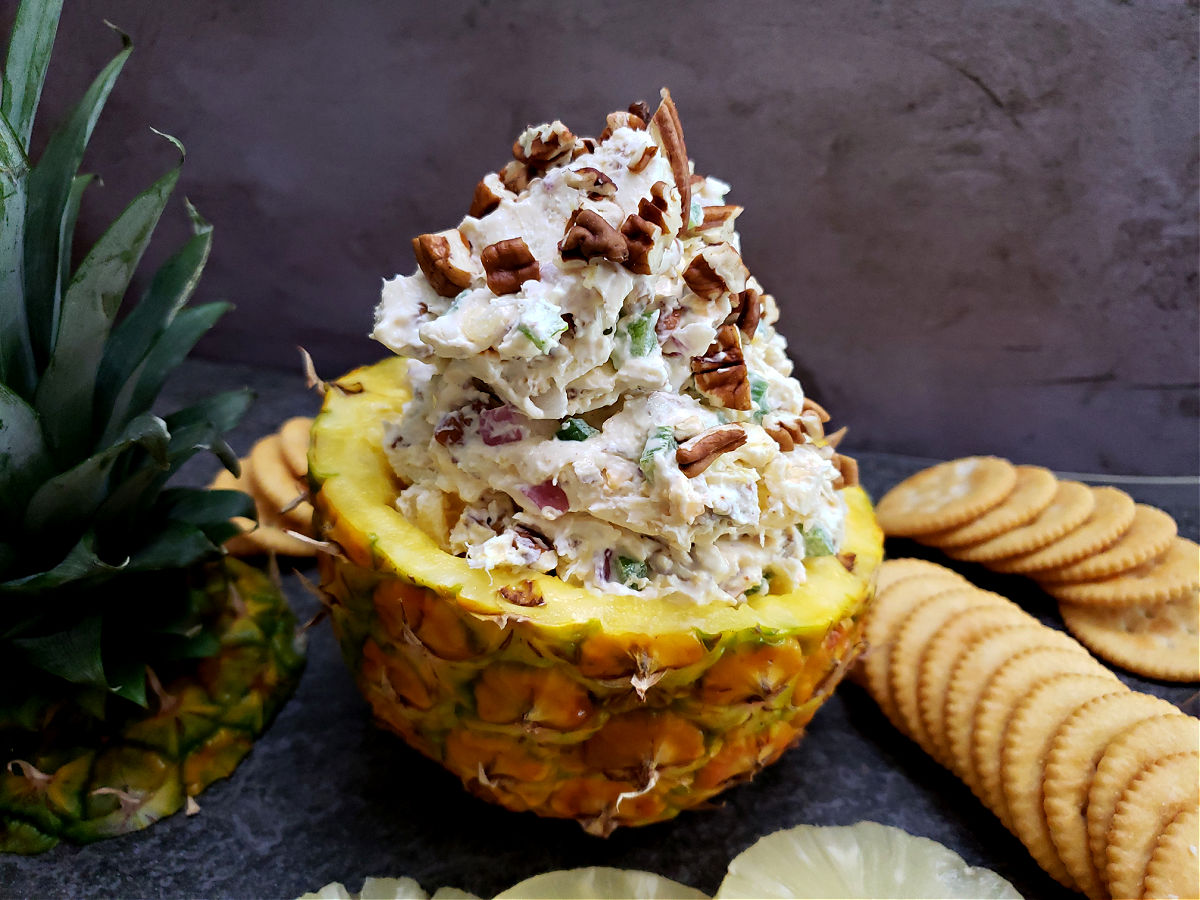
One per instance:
(609, 711)
(203, 726)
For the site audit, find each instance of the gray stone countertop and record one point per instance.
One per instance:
(326, 796)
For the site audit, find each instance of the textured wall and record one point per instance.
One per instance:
(980, 218)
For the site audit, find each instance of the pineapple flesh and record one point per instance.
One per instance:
(136, 665)
(545, 696)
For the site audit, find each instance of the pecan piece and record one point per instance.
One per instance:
(699, 452)
(847, 468)
(524, 594)
(638, 228)
(516, 176)
(595, 183)
(508, 265)
(589, 236)
(745, 311)
(715, 271)
(716, 217)
(541, 148)
(615, 120)
(450, 429)
(788, 434)
(668, 132)
(445, 260)
(642, 161)
(484, 201)
(641, 109)
(811, 405)
(721, 371)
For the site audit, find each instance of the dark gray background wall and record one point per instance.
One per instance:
(980, 218)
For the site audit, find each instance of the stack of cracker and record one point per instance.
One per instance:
(274, 474)
(1101, 783)
(1128, 586)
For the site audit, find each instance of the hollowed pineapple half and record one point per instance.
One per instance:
(544, 696)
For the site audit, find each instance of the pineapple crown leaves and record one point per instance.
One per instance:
(84, 458)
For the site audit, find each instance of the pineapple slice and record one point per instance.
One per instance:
(544, 696)
(599, 881)
(862, 860)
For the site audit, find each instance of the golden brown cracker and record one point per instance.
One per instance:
(268, 535)
(1110, 518)
(919, 625)
(1127, 754)
(1055, 654)
(1170, 575)
(1072, 504)
(1035, 719)
(294, 437)
(275, 487)
(946, 495)
(952, 640)
(884, 618)
(1148, 536)
(1034, 489)
(1155, 796)
(1071, 764)
(894, 570)
(1174, 867)
(1160, 640)
(969, 679)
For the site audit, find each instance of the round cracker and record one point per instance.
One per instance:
(946, 495)
(294, 437)
(265, 536)
(1034, 489)
(1126, 755)
(1034, 721)
(1174, 870)
(1110, 518)
(1070, 767)
(1072, 504)
(1057, 654)
(884, 618)
(1148, 536)
(894, 570)
(1175, 572)
(909, 646)
(969, 679)
(952, 640)
(1156, 641)
(1159, 793)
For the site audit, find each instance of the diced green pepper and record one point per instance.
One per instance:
(660, 440)
(541, 340)
(631, 570)
(642, 337)
(758, 394)
(817, 541)
(574, 429)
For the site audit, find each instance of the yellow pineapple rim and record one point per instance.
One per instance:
(355, 494)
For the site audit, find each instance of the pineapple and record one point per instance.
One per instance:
(136, 665)
(543, 696)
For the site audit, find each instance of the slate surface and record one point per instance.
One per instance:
(325, 796)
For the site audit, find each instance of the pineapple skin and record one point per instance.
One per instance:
(542, 698)
(148, 766)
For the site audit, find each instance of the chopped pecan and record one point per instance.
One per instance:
(811, 405)
(541, 148)
(595, 183)
(443, 257)
(698, 453)
(641, 109)
(715, 271)
(745, 311)
(450, 429)
(667, 321)
(836, 438)
(589, 236)
(642, 161)
(583, 146)
(717, 217)
(847, 559)
(703, 279)
(508, 265)
(516, 176)
(615, 120)
(484, 201)
(721, 371)
(847, 468)
(638, 228)
(668, 131)
(788, 434)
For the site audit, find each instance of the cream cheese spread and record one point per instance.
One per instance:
(598, 388)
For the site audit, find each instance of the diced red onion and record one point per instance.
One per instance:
(548, 494)
(502, 425)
